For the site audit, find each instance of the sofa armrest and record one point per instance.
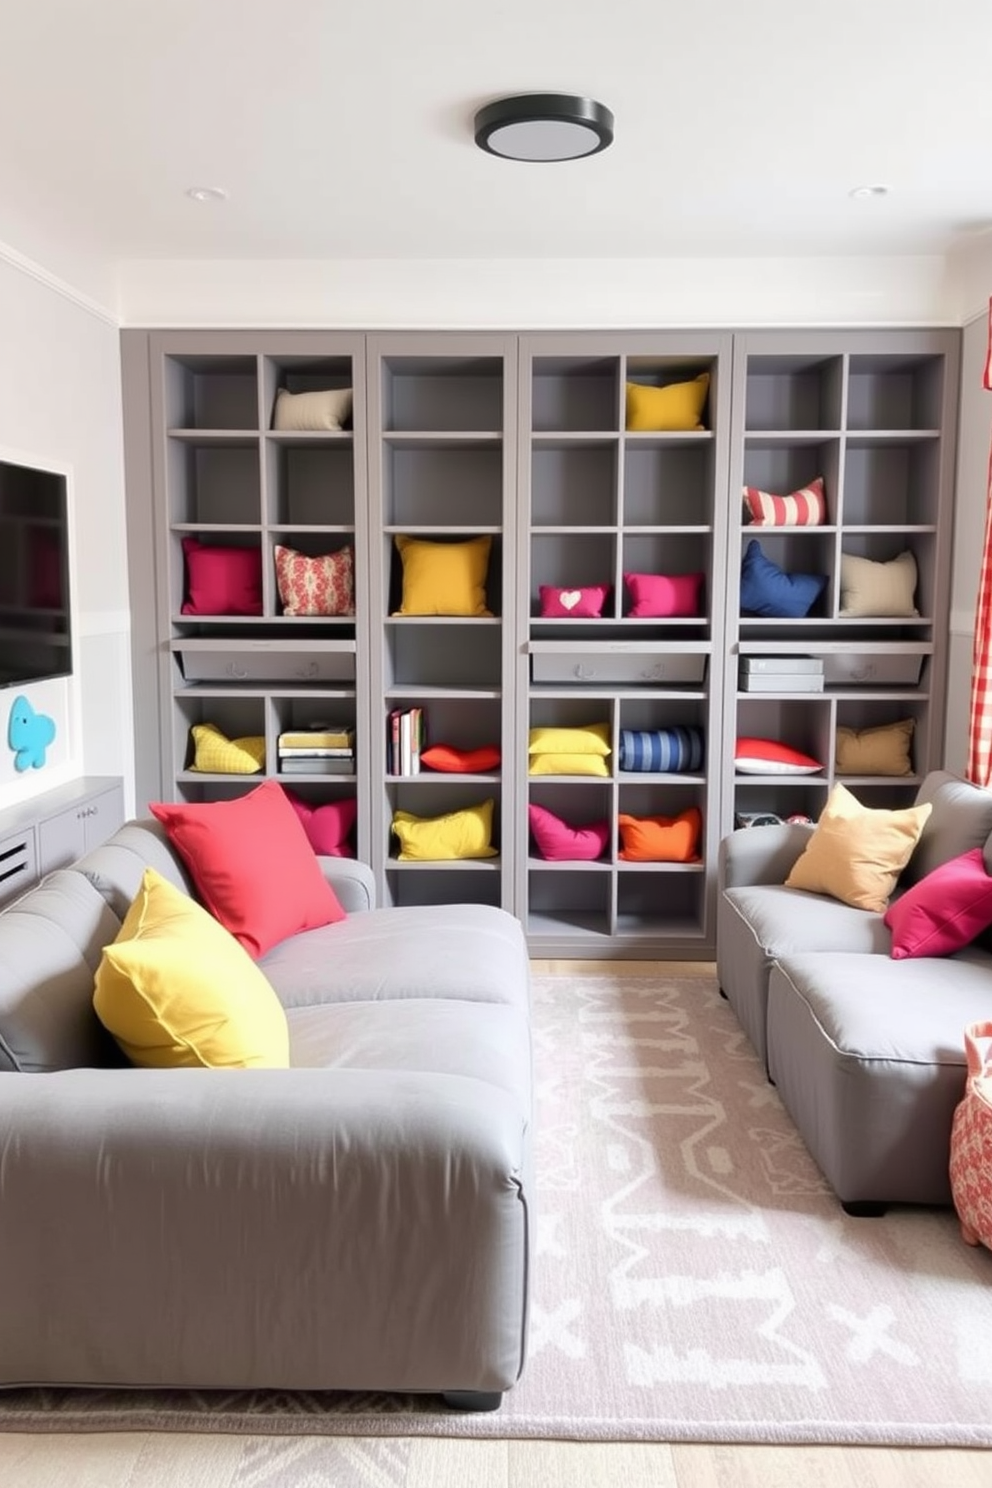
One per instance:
(352, 881)
(760, 855)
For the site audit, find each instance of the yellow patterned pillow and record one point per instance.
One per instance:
(216, 754)
(176, 989)
(568, 764)
(457, 834)
(856, 853)
(678, 406)
(591, 738)
(444, 578)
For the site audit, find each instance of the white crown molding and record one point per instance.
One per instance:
(36, 271)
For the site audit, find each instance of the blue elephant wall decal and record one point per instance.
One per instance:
(29, 735)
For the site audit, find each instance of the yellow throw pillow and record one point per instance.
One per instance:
(176, 989)
(591, 738)
(457, 834)
(678, 406)
(216, 754)
(567, 764)
(875, 751)
(856, 853)
(444, 578)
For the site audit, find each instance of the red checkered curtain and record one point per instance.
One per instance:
(980, 724)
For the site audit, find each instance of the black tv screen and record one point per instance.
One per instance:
(35, 633)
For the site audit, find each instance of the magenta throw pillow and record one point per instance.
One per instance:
(559, 842)
(944, 911)
(669, 596)
(222, 581)
(327, 826)
(573, 604)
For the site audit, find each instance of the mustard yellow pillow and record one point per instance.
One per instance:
(215, 753)
(177, 990)
(875, 751)
(678, 406)
(856, 853)
(457, 834)
(567, 764)
(591, 738)
(444, 578)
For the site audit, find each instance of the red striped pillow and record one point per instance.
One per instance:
(806, 507)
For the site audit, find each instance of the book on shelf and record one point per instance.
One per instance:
(293, 751)
(318, 737)
(317, 765)
(405, 740)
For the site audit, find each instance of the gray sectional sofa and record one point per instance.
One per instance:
(361, 1221)
(866, 1052)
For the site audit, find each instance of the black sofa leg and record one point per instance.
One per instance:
(864, 1209)
(473, 1400)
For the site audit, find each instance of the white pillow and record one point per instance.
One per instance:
(326, 409)
(869, 588)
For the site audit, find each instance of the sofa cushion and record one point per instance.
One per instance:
(51, 942)
(177, 991)
(785, 922)
(116, 867)
(960, 820)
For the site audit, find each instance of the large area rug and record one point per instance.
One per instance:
(694, 1278)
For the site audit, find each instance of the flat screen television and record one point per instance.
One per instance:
(35, 629)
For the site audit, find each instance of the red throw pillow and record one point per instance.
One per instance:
(327, 826)
(560, 843)
(769, 757)
(573, 604)
(461, 761)
(944, 911)
(661, 839)
(252, 865)
(222, 581)
(674, 596)
(806, 507)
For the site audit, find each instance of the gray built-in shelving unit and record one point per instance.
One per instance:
(522, 438)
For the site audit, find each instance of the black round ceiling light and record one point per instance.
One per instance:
(544, 126)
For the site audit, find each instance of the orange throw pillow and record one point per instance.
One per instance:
(661, 839)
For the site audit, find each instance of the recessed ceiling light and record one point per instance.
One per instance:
(207, 193)
(544, 126)
(864, 193)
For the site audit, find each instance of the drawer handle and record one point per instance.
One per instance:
(310, 670)
(657, 670)
(584, 673)
(863, 673)
(233, 670)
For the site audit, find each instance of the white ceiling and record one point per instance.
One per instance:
(344, 130)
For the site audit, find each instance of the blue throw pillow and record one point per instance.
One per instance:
(661, 751)
(766, 590)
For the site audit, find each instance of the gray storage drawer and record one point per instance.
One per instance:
(615, 661)
(267, 661)
(859, 668)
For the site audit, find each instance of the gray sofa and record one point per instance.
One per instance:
(361, 1221)
(866, 1052)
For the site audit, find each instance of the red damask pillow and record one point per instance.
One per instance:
(316, 586)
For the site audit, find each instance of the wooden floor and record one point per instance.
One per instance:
(146, 1460)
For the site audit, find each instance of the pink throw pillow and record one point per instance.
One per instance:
(573, 604)
(944, 911)
(560, 843)
(222, 581)
(252, 865)
(327, 826)
(672, 596)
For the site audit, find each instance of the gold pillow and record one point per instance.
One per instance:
(678, 406)
(591, 738)
(875, 751)
(444, 578)
(328, 408)
(567, 764)
(457, 834)
(855, 853)
(219, 755)
(176, 989)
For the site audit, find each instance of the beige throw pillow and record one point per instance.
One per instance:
(855, 853)
(876, 751)
(328, 409)
(868, 588)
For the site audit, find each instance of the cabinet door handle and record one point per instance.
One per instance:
(657, 670)
(233, 670)
(309, 670)
(584, 673)
(864, 672)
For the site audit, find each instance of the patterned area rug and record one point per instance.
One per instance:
(694, 1280)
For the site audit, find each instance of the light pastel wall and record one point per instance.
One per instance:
(60, 404)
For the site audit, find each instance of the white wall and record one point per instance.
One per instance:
(60, 404)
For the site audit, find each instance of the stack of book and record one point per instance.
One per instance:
(407, 734)
(781, 674)
(321, 750)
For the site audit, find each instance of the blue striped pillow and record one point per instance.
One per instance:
(663, 751)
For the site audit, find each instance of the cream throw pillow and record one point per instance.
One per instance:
(855, 853)
(177, 990)
(327, 409)
(877, 589)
